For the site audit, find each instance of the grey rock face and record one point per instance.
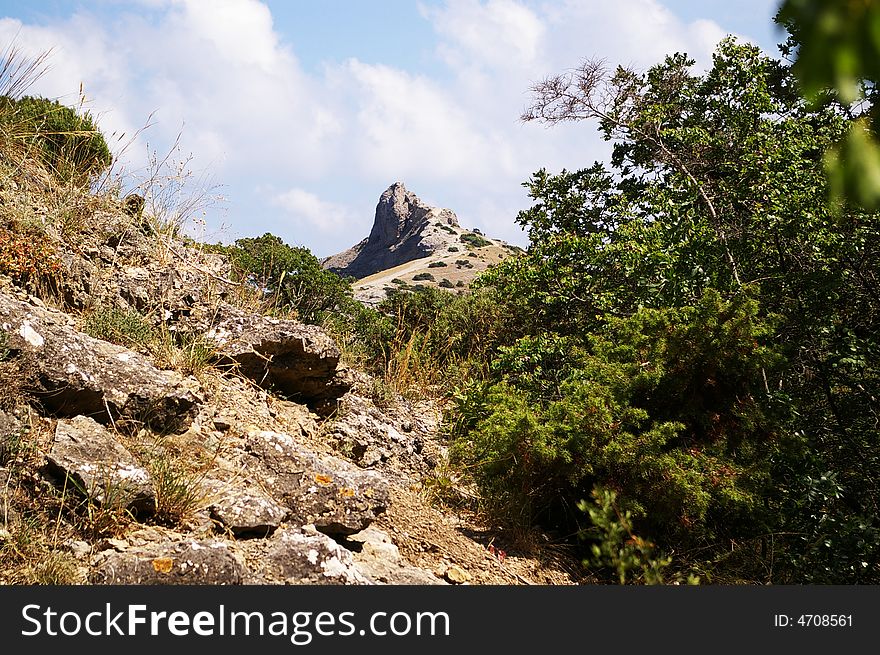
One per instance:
(294, 556)
(299, 361)
(334, 496)
(99, 466)
(189, 562)
(244, 508)
(404, 229)
(378, 557)
(80, 375)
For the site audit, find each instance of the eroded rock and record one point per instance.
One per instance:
(378, 557)
(80, 375)
(337, 497)
(243, 508)
(295, 556)
(296, 360)
(207, 562)
(404, 229)
(99, 466)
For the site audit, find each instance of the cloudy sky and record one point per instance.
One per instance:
(300, 113)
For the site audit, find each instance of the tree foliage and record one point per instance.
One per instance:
(291, 278)
(693, 326)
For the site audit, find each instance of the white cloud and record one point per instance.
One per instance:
(308, 211)
(499, 33)
(221, 71)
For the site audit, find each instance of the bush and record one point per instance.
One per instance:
(436, 264)
(67, 143)
(124, 327)
(475, 240)
(664, 407)
(290, 278)
(26, 253)
(422, 276)
(446, 284)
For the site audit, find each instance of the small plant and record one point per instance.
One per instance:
(185, 353)
(124, 327)
(422, 276)
(397, 280)
(26, 253)
(437, 265)
(446, 284)
(631, 558)
(463, 263)
(453, 249)
(178, 490)
(103, 506)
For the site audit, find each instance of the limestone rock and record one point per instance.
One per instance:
(244, 508)
(99, 466)
(294, 556)
(189, 562)
(299, 361)
(80, 375)
(333, 495)
(378, 557)
(404, 229)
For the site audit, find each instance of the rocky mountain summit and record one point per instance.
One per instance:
(404, 229)
(408, 238)
(212, 444)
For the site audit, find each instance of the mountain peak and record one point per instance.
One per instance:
(404, 228)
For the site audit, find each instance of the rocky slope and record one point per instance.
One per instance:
(253, 455)
(411, 244)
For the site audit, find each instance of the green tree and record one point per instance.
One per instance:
(715, 189)
(292, 278)
(837, 59)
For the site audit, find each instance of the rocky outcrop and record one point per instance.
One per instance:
(305, 556)
(378, 557)
(79, 375)
(296, 360)
(404, 229)
(98, 466)
(336, 497)
(187, 562)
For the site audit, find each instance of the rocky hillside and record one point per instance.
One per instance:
(155, 427)
(412, 244)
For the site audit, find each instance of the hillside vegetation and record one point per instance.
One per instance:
(677, 381)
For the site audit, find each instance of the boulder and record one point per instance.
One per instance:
(333, 495)
(305, 556)
(99, 466)
(296, 360)
(80, 375)
(243, 508)
(377, 557)
(189, 562)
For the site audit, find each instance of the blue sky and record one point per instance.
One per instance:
(292, 117)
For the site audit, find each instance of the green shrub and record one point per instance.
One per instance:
(446, 284)
(436, 264)
(419, 277)
(66, 142)
(475, 240)
(124, 327)
(290, 278)
(663, 406)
